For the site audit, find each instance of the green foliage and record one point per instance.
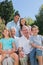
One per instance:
(6, 10)
(39, 20)
(2, 26)
(29, 21)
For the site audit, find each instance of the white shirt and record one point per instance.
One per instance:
(24, 42)
(16, 41)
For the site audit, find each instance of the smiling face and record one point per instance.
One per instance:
(25, 31)
(23, 21)
(35, 30)
(16, 18)
(5, 32)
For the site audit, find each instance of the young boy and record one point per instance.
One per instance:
(36, 42)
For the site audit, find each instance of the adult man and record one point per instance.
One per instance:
(15, 24)
(24, 45)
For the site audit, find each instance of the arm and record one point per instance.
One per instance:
(36, 46)
(21, 53)
(13, 49)
(0, 48)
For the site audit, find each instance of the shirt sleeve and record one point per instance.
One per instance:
(8, 25)
(31, 40)
(42, 38)
(0, 40)
(13, 40)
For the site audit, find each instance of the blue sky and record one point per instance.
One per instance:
(27, 8)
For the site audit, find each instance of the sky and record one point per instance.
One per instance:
(27, 8)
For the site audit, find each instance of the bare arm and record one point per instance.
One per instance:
(14, 47)
(36, 46)
(0, 48)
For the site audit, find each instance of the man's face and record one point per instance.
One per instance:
(16, 18)
(13, 32)
(25, 31)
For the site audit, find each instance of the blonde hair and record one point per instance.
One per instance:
(6, 29)
(34, 26)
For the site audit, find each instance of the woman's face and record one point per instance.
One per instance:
(23, 21)
(5, 32)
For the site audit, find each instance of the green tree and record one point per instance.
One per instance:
(39, 20)
(29, 21)
(6, 10)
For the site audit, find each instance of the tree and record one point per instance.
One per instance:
(39, 20)
(6, 10)
(29, 21)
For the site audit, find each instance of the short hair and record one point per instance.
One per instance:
(17, 14)
(34, 26)
(13, 28)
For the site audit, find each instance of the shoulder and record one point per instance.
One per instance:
(12, 39)
(1, 40)
(9, 23)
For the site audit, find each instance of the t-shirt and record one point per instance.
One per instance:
(36, 40)
(25, 44)
(16, 41)
(7, 43)
(16, 26)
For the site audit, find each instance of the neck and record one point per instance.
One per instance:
(34, 34)
(15, 22)
(6, 36)
(27, 37)
(12, 36)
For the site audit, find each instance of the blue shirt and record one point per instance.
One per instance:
(17, 27)
(36, 40)
(7, 43)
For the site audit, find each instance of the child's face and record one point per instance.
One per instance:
(5, 32)
(35, 31)
(23, 21)
(13, 32)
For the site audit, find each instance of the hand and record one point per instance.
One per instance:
(21, 54)
(13, 50)
(41, 47)
(4, 52)
(0, 51)
(9, 51)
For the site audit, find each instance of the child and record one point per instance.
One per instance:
(36, 42)
(8, 47)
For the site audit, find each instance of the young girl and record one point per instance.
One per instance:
(8, 47)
